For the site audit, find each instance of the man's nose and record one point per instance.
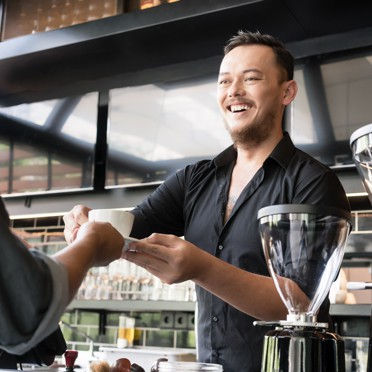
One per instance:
(236, 89)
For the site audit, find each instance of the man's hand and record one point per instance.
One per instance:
(73, 220)
(168, 257)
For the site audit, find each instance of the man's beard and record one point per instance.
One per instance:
(254, 133)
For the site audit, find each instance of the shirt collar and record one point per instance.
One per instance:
(282, 153)
(225, 157)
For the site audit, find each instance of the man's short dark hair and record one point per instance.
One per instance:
(283, 56)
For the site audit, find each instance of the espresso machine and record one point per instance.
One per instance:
(303, 247)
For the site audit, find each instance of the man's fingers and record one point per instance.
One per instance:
(150, 263)
(163, 239)
(70, 235)
(80, 214)
(70, 230)
(73, 220)
(70, 224)
(74, 234)
(154, 250)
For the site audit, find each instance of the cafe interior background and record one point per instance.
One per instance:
(101, 100)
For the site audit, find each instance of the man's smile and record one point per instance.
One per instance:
(239, 107)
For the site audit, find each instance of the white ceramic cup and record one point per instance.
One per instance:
(121, 220)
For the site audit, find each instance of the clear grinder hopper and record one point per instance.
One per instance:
(303, 247)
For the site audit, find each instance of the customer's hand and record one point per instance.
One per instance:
(105, 239)
(73, 220)
(95, 244)
(168, 257)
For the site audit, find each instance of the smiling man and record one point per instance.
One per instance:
(214, 205)
(255, 85)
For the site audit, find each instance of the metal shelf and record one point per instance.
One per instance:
(131, 305)
(346, 263)
(351, 310)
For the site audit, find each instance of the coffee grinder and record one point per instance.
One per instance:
(303, 247)
(361, 148)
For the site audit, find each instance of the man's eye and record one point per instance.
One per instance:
(222, 82)
(251, 78)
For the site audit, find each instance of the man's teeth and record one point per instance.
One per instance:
(237, 108)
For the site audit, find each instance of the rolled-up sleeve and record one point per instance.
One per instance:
(33, 293)
(57, 306)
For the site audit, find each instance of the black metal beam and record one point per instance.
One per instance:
(69, 61)
(2, 14)
(314, 86)
(60, 113)
(22, 131)
(10, 166)
(115, 51)
(77, 150)
(100, 149)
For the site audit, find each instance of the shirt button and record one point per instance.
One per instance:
(220, 247)
(215, 319)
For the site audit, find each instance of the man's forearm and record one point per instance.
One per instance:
(175, 260)
(253, 294)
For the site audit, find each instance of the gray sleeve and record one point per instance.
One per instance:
(58, 303)
(33, 292)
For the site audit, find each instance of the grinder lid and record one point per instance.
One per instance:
(363, 131)
(303, 208)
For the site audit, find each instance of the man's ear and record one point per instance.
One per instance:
(290, 91)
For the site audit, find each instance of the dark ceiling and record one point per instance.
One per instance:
(139, 46)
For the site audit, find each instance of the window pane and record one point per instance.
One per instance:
(156, 129)
(35, 113)
(53, 144)
(67, 174)
(30, 169)
(333, 101)
(4, 166)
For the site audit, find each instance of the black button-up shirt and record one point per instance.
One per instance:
(193, 202)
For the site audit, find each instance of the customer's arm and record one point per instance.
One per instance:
(35, 288)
